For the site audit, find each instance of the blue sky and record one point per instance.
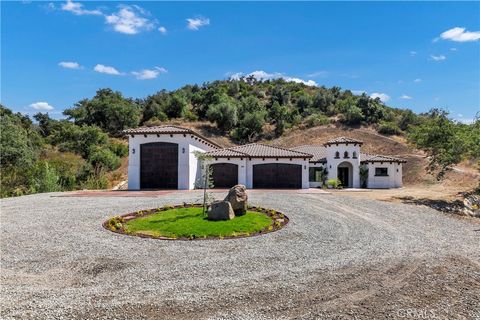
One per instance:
(414, 55)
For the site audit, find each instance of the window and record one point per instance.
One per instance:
(354, 155)
(345, 154)
(382, 172)
(337, 155)
(315, 174)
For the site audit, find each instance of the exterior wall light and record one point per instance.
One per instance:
(133, 151)
(183, 150)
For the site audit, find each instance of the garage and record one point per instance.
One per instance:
(159, 165)
(224, 175)
(277, 176)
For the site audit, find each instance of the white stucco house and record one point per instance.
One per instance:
(162, 157)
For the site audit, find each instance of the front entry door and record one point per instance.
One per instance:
(342, 174)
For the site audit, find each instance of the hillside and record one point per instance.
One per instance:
(234, 111)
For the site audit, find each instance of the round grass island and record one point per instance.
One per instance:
(187, 222)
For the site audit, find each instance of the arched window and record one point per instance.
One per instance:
(337, 154)
(345, 154)
(354, 155)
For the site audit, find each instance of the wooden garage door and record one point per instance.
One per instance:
(225, 175)
(159, 165)
(277, 176)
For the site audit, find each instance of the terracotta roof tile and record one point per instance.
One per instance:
(169, 129)
(257, 150)
(365, 157)
(319, 152)
(343, 140)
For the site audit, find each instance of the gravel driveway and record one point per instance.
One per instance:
(339, 257)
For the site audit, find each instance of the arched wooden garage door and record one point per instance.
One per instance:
(225, 175)
(277, 176)
(159, 165)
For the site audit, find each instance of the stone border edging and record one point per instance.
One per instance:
(115, 224)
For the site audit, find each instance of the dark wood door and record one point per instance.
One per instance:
(225, 175)
(159, 165)
(277, 176)
(342, 174)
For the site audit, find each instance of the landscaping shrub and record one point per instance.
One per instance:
(334, 183)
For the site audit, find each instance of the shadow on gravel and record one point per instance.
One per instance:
(440, 205)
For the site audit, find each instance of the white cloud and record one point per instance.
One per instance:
(438, 58)
(453, 49)
(418, 80)
(70, 65)
(106, 69)
(77, 9)
(466, 120)
(405, 97)
(196, 23)
(162, 30)
(262, 75)
(43, 106)
(382, 96)
(318, 74)
(148, 74)
(459, 34)
(413, 53)
(129, 20)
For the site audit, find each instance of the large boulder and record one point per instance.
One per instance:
(220, 210)
(237, 196)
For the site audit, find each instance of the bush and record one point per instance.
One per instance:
(334, 183)
(102, 158)
(353, 115)
(224, 114)
(68, 166)
(96, 182)
(44, 178)
(316, 120)
(388, 128)
(118, 148)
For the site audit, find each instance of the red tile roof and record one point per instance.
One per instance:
(169, 129)
(319, 152)
(340, 140)
(257, 150)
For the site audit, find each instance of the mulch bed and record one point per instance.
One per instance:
(115, 224)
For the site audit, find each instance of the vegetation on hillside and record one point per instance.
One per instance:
(77, 152)
(54, 155)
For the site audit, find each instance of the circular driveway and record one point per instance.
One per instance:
(339, 257)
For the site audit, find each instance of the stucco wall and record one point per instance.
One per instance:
(332, 162)
(393, 180)
(187, 164)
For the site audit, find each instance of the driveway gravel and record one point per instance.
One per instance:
(340, 257)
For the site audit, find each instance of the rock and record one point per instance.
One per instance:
(472, 206)
(237, 196)
(220, 210)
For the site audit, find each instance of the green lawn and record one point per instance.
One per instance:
(188, 222)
